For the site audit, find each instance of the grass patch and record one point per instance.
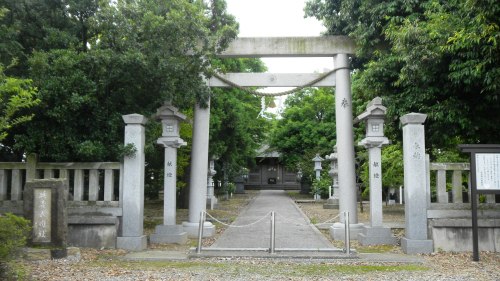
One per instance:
(14, 270)
(296, 195)
(244, 268)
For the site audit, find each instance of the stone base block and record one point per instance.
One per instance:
(35, 254)
(132, 243)
(212, 202)
(337, 231)
(192, 229)
(92, 231)
(331, 203)
(169, 234)
(413, 246)
(377, 236)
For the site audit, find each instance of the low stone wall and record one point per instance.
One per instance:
(93, 231)
(455, 235)
(451, 229)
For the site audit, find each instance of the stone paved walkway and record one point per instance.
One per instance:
(293, 230)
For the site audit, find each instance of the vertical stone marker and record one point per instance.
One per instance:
(415, 183)
(132, 196)
(45, 206)
(169, 232)
(374, 115)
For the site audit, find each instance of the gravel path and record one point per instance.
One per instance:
(106, 265)
(109, 264)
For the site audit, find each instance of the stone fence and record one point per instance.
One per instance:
(94, 192)
(449, 211)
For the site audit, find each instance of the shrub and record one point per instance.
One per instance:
(14, 231)
(321, 186)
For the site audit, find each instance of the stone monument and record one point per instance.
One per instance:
(45, 206)
(169, 231)
(375, 233)
(415, 183)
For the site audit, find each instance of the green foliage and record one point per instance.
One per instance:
(434, 57)
(236, 129)
(320, 186)
(230, 188)
(14, 231)
(307, 127)
(94, 61)
(392, 168)
(16, 95)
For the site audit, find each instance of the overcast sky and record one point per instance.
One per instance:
(279, 18)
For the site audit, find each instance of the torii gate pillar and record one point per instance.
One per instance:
(199, 169)
(345, 147)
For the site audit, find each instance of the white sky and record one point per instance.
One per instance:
(279, 18)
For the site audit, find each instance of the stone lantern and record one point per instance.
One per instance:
(333, 200)
(240, 180)
(211, 199)
(374, 117)
(317, 165)
(169, 232)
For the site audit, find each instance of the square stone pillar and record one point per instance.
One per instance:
(132, 202)
(415, 183)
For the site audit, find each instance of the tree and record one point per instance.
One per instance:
(236, 128)
(392, 168)
(307, 127)
(15, 96)
(433, 57)
(109, 59)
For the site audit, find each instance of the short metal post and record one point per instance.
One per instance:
(347, 241)
(200, 232)
(273, 233)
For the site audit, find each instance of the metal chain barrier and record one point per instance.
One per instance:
(300, 224)
(272, 214)
(294, 90)
(239, 226)
(328, 221)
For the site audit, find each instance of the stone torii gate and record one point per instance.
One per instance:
(337, 47)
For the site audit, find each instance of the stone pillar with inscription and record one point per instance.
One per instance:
(375, 233)
(169, 231)
(45, 206)
(415, 194)
(345, 145)
(132, 197)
